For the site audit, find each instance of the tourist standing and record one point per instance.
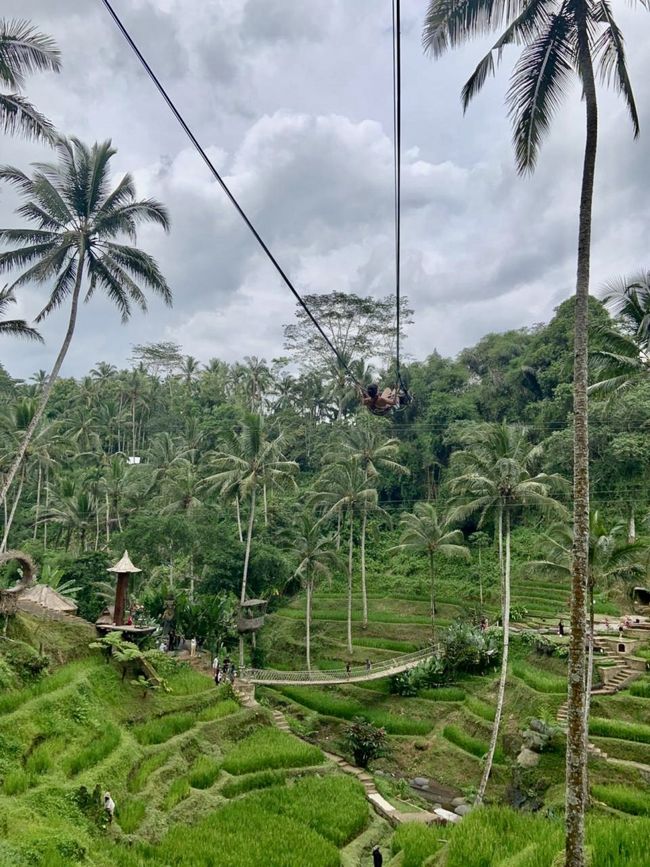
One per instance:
(109, 806)
(377, 857)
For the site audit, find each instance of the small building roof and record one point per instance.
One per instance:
(124, 565)
(42, 594)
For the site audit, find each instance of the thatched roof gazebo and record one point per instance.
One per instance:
(123, 569)
(46, 597)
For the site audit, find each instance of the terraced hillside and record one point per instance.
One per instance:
(191, 771)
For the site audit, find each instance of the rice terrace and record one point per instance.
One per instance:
(324, 434)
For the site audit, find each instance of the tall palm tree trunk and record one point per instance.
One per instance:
(576, 753)
(49, 385)
(308, 624)
(589, 673)
(364, 595)
(504, 658)
(631, 526)
(244, 580)
(433, 598)
(12, 513)
(38, 501)
(266, 506)
(238, 513)
(350, 557)
(47, 502)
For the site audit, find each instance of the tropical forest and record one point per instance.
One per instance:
(343, 604)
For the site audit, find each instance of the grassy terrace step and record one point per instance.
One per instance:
(623, 798)
(12, 700)
(621, 729)
(357, 617)
(535, 678)
(330, 704)
(270, 749)
(475, 747)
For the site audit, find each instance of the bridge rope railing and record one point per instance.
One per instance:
(393, 666)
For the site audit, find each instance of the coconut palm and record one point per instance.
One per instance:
(77, 221)
(247, 461)
(560, 38)
(14, 327)
(491, 477)
(611, 557)
(623, 358)
(424, 531)
(24, 50)
(367, 444)
(345, 489)
(316, 557)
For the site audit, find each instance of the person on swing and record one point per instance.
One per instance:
(371, 398)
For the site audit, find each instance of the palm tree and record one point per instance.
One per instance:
(492, 476)
(15, 327)
(344, 488)
(624, 359)
(611, 557)
(423, 531)
(316, 555)
(77, 220)
(248, 459)
(23, 50)
(560, 37)
(367, 444)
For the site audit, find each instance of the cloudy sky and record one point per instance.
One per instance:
(293, 100)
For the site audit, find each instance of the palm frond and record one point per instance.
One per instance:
(19, 117)
(449, 23)
(538, 84)
(24, 50)
(62, 287)
(610, 51)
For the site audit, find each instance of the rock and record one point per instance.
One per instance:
(537, 725)
(463, 809)
(420, 782)
(458, 801)
(446, 816)
(535, 741)
(527, 758)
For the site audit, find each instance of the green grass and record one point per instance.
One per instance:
(96, 751)
(417, 842)
(137, 779)
(44, 756)
(188, 681)
(535, 678)
(16, 782)
(204, 772)
(177, 792)
(469, 744)
(13, 699)
(329, 704)
(628, 731)
(218, 710)
(250, 782)
(387, 644)
(623, 798)
(357, 617)
(501, 837)
(480, 708)
(130, 814)
(269, 749)
(443, 693)
(640, 690)
(161, 729)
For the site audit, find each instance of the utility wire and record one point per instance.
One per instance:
(206, 159)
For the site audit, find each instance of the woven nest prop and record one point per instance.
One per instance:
(9, 597)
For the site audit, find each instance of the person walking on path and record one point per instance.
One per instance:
(377, 857)
(368, 666)
(347, 669)
(560, 628)
(109, 806)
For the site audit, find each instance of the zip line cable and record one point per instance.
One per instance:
(206, 159)
(397, 156)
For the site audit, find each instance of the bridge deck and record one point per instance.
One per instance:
(358, 674)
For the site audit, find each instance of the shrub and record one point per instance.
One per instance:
(417, 842)
(469, 744)
(623, 798)
(130, 814)
(610, 728)
(269, 748)
(15, 783)
(138, 776)
(204, 772)
(97, 750)
(178, 791)
(25, 661)
(157, 731)
(261, 780)
(365, 741)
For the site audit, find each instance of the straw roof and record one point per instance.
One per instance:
(124, 565)
(42, 594)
